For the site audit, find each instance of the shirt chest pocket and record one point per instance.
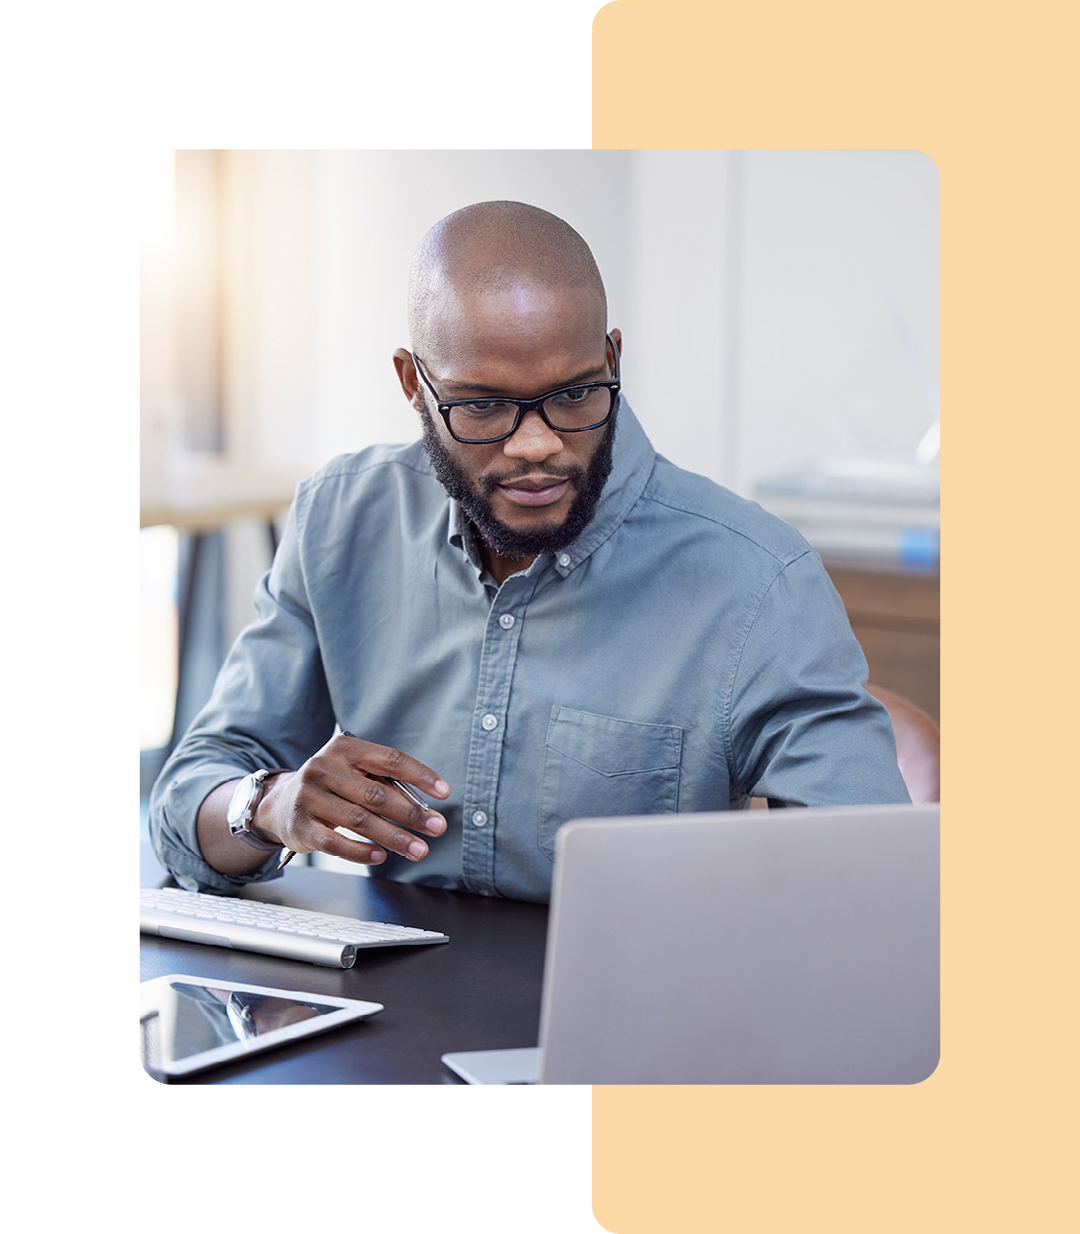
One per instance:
(600, 767)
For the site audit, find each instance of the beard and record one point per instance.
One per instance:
(474, 495)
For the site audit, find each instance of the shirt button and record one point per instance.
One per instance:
(506, 621)
(479, 818)
(489, 722)
(564, 559)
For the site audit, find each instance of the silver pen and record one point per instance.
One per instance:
(287, 854)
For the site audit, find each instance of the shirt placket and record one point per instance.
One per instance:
(479, 821)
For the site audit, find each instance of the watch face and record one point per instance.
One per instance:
(241, 801)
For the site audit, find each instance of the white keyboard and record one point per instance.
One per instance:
(273, 929)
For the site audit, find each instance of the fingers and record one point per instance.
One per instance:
(372, 759)
(347, 785)
(379, 812)
(364, 797)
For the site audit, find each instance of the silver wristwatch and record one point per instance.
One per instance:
(245, 801)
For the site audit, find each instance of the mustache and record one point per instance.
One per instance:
(488, 484)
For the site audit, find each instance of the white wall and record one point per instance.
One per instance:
(838, 257)
(679, 316)
(758, 293)
(328, 252)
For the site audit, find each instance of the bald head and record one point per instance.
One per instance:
(495, 248)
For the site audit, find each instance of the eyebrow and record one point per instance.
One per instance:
(582, 378)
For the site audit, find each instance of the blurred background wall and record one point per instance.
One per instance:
(775, 306)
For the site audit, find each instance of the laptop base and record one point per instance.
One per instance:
(496, 1066)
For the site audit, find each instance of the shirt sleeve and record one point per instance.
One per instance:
(270, 707)
(805, 730)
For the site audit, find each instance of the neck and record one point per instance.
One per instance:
(500, 568)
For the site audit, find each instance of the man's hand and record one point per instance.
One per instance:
(343, 785)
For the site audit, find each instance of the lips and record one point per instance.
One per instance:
(534, 490)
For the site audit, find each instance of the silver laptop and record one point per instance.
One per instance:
(792, 946)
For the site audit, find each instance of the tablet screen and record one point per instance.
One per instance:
(189, 1023)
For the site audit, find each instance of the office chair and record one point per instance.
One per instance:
(918, 745)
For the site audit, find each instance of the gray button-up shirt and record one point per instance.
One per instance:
(687, 652)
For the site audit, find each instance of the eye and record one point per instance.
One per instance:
(577, 395)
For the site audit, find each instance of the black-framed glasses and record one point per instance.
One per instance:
(569, 409)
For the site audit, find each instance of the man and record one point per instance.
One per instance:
(582, 629)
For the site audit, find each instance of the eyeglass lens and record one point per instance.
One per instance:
(571, 410)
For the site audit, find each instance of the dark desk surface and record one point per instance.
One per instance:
(479, 991)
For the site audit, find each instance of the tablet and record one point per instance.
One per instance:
(191, 1023)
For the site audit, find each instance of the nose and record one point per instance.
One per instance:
(533, 440)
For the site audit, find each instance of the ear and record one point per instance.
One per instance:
(616, 337)
(406, 375)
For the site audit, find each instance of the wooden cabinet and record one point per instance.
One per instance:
(896, 618)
